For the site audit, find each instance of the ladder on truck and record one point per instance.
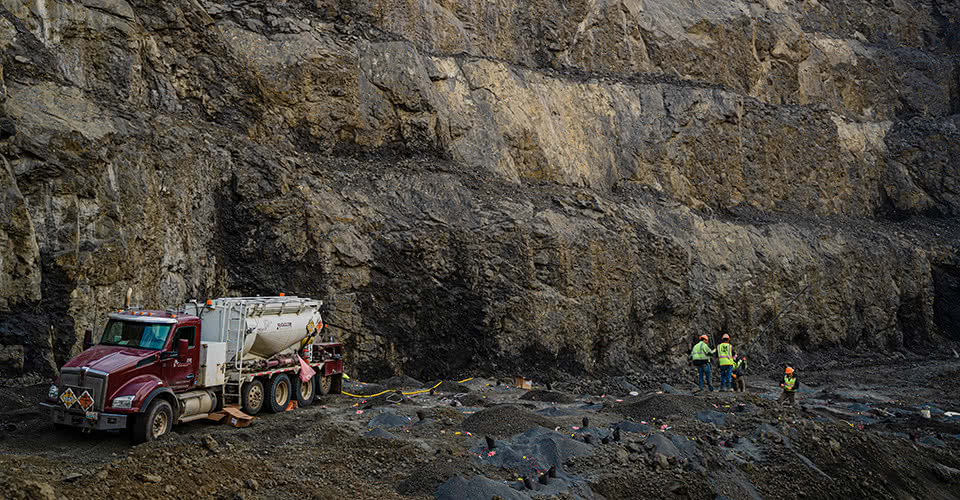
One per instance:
(235, 318)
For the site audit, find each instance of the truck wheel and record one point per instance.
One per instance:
(155, 422)
(329, 384)
(305, 392)
(278, 396)
(323, 383)
(251, 397)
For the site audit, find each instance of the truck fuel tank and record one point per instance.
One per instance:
(195, 403)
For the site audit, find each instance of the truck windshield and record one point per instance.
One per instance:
(136, 334)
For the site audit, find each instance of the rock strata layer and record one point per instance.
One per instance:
(477, 186)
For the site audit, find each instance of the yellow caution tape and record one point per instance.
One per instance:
(365, 395)
(390, 390)
(421, 390)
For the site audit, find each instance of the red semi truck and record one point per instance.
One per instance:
(152, 369)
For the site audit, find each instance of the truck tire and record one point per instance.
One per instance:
(279, 393)
(252, 397)
(323, 383)
(328, 384)
(305, 392)
(153, 423)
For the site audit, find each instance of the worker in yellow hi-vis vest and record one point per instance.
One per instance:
(725, 353)
(701, 359)
(790, 385)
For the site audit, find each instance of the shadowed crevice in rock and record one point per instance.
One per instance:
(41, 334)
(946, 304)
(918, 181)
(955, 95)
(421, 301)
(946, 14)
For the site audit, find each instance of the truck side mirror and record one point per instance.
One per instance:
(182, 346)
(87, 339)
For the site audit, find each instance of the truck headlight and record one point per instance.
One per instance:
(53, 392)
(122, 402)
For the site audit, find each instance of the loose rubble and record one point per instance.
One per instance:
(855, 432)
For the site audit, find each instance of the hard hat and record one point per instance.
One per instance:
(725, 337)
(788, 371)
(704, 338)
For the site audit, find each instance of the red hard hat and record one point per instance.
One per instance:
(704, 338)
(788, 371)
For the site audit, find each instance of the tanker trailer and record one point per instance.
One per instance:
(258, 340)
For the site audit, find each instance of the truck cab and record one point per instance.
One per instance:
(142, 355)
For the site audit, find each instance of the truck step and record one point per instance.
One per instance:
(193, 417)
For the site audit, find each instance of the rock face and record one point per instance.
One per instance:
(476, 185)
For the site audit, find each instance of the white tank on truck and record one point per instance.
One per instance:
(262, 326)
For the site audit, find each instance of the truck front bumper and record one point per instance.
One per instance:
(88, 420)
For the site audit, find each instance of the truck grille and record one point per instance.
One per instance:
(80, 380)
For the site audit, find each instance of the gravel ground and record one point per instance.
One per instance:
(658, 406)
(547, 396)
(402, 382)
(854, 433)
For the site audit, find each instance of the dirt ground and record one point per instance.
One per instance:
(855, 432)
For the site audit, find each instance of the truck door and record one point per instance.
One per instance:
(183, 376)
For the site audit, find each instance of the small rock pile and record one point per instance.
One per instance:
(505, 420)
